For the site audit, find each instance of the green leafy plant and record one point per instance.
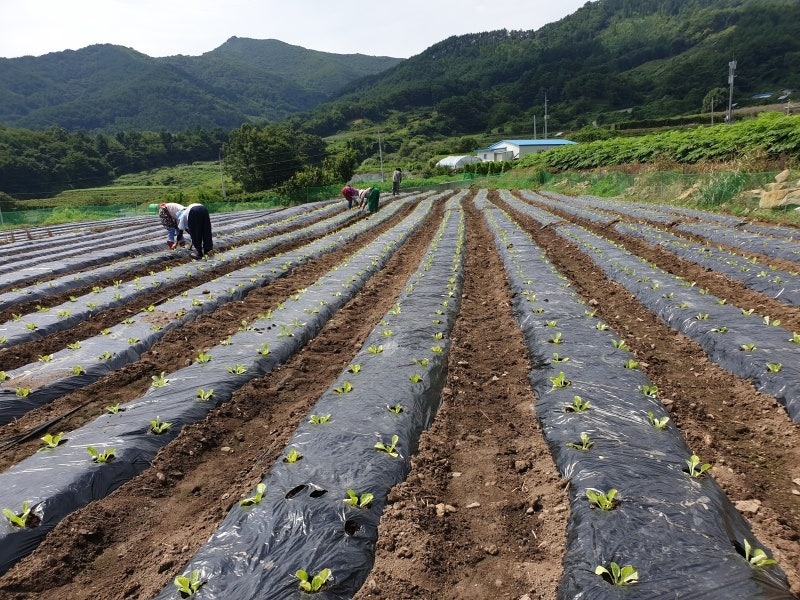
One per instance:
(601, 326)
(396, 409)
(651, 391)
(158, 426)
(264, 350)
(255, 499)
(51, 441)
(630, 363)
(160, 380)
(557, 338)
(617, 575)
(3, 376)
(559, 359)
(722, 329)
(187, 586)
(100, 457)
(345, 388)
(747, 347)
(657, 422)
(293, 456)
(415, 378)
(774, 367)
(19, 519)
(578, 405)
(74, 346)
(603, 500)
(354, 369)
(390, 449)
(795, 339)
(621, 345)
(30, 326)
(757, 557)
(584, 444)
(22, 392)
(319, 419)
(358, 501)
(436, 349)
(560, 380)
(695, 468)
(205, 395)
(373, 349)
(237, 369)
(113, 408)
(202, 357)
(313, 584)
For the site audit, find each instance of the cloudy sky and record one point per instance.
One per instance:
(169, 27)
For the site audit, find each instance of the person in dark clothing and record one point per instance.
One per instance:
(195, 220)
(397, 177)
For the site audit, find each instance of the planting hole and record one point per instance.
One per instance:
(351, 527)
(318, 493)
(295, 491)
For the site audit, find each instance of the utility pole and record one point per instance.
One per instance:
(221, 174)
(712, 110)
(731, 76)
(534, 126)
(380, 153)
(546, 116)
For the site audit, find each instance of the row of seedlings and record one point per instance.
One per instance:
(767, 279)
(243, 227)
(647, 520)
(85, 361)
(749, 345)
(88, 463)
(311, 525)
(47, 320)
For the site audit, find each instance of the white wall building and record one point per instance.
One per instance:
(513, 149)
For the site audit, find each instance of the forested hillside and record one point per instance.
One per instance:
(106, 88)
(610, 61)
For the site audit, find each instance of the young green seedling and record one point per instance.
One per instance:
(390, 449)
(19, 519)
(260, 489)
(293, 456)
(578, 405)
(205, 395)
(160, 380)
(100, 457)
(202, 357)
(345, 388)
(559, 359)
(560, 380)
(396, 409)
(373, 349)
(604, 500)
(113, 409)
(362, 501)
(621, 345)
(158, 426)
(556, 339)
(774, 367)
(584, 444)
(626, 575)
(354, 369)
(630, 364)
(415, 378)
(695, 468)
(319, 419)
(187, 586)
(313, 584)
(237, 369)
(757, 557)
(264, 350)
(657, 422)
(651, 391)
(52, 441)
(22, 392)
(748, 347)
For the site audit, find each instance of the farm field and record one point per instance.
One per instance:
(479, 317)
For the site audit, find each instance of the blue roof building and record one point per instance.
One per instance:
(512, 149)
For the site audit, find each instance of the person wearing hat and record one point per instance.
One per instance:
(193, 219)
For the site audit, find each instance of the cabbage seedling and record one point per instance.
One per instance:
(695, 468)
(362, 501)
(100, 457)
(584, 444)
(345, 388)
(375, 349)
(630, 364)
(293, 456)
(313, 584)
(756, 557)
(774, 367)
(74, 345)
(604, 500)
(187, 586)
(202, 357)
(160, 380)
(264, 350)
(557, 339)
(113, 409)
(578, 405)
(415, 378)
(390, 449)
(658, 422)
(51, 441)
(205, 395)
(621, 345)
(747, 347)
(354, 369)
(158, 426)
(559, 381)
(19, 519)
(626, 575)
(237, 369)
(559, 359)
(3, 376)
(22, 392)
(319, 419)
(651, 391)
(396, 409)
(260, 489)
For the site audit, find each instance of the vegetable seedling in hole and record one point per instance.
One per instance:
(260, 489)
(114, 408)
(51, 441)
(100, 457)
(313, 584)
(774, 367)
(293, 456)
(658, 422)
(626, 575)
(19, 519)
(695, 468)
(362, 501)
(757, 557)
(396, 409)
(205, 395)
(158, 426)
(390, 449)
(319, 419)
(345, 388)
(604, 500)
(578, 405)
(584, 444)
(187, 586)
(160, 380)
(559, 381)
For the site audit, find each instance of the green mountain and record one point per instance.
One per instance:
(111, 88)
(609, 62)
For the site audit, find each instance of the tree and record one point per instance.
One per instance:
(260, 158)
